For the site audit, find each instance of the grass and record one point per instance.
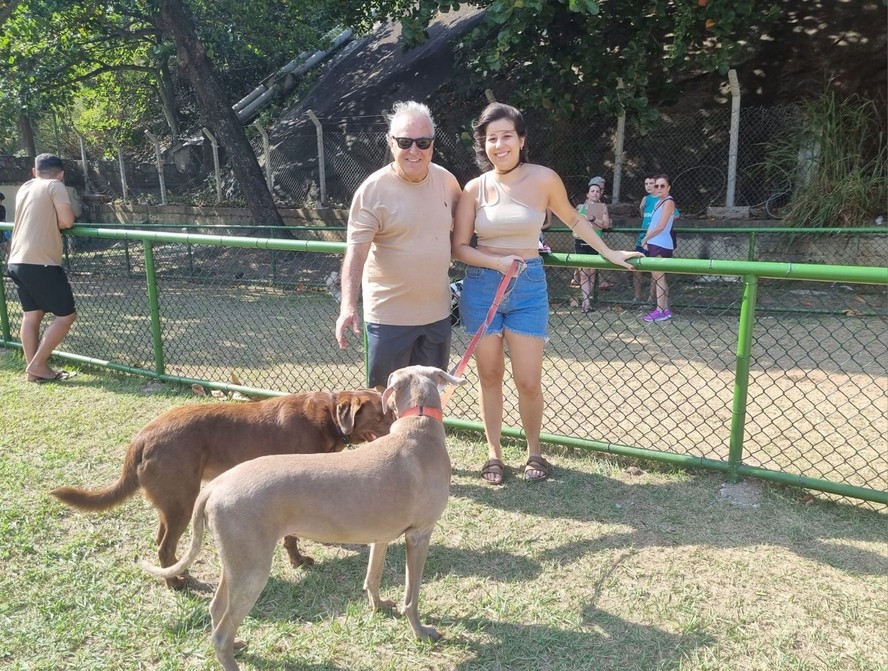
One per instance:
(837, 162)
(610, 565)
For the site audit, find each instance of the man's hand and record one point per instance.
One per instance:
(347, 320)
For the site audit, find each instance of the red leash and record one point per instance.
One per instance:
(497, 299)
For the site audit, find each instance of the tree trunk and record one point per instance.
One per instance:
(168, 100)
(217, 113)
(26, 134)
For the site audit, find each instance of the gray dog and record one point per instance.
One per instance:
(397, 484)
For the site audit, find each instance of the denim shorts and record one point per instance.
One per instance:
(524, 309)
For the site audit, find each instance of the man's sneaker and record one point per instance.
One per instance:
(658, 316)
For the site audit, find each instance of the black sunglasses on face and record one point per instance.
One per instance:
(406, 142)
(660, 186)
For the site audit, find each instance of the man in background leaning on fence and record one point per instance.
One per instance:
(399, 252)
(42, 209)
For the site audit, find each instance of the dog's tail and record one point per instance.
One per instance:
(92, 500)
(198, 522)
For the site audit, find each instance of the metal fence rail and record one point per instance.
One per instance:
(779, 374)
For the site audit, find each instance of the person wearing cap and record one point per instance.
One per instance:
(42, 211)
(398, 253)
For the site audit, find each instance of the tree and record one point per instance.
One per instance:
(585, 57)
(218, 114)
(109, 61)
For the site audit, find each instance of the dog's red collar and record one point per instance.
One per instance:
(423, 411)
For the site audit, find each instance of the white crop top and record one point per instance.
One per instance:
(506, 222)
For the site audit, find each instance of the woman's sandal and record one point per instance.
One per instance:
(538, 464)
(494, 468)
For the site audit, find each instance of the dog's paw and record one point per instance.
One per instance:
(428, 634)
(383, 604)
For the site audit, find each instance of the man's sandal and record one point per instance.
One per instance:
(492, 472)
(537, 464)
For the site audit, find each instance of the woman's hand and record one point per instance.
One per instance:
(619, 258)
(503, 263)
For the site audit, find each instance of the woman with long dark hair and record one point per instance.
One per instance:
(506, 208)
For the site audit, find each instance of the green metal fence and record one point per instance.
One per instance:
(772, 370)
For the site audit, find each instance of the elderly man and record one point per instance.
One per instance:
(399, 252)
(42, 209)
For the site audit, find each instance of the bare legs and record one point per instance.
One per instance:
(526, 355)
(587, 281)
(37, 350)
(661, 290)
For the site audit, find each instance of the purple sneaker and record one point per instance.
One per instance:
(658, 316)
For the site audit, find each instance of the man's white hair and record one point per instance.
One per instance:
(413, 109)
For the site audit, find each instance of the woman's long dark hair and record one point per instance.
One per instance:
(495, 112)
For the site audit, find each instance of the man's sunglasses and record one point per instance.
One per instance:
(421, 142)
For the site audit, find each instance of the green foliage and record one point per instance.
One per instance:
(586, 57)
(105, 64)
(837, 162)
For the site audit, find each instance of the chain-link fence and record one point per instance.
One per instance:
(320, 162)
(775, 370)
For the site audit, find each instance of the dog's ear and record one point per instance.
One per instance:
(443, 377)
(386, 397)
(346, 409)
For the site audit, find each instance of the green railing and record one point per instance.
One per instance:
(792, 397)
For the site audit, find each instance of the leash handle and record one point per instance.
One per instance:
(497, 299)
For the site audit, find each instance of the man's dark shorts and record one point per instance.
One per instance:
(392, 347)
(44, 288)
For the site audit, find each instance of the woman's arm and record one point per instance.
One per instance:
(605, 219)
(560, 205)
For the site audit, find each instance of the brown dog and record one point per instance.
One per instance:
(170, 456)
(397, 485)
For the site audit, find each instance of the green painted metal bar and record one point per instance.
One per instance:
(770, 270)
(879, 231)
(795, 271)
(687, 461)
(741, 375)
(817, 484)
(4, 313)
(154, 307)
(599, 446)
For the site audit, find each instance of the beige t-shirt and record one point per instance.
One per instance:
(405, 281)
(36, 237)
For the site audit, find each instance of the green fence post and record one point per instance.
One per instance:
(126, 254)
(4, 313)
(741, 377)
(153, 307)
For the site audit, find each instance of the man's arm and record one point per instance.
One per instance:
(64, 215)
(352, 270)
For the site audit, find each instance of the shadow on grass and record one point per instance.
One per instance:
(688, 513)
